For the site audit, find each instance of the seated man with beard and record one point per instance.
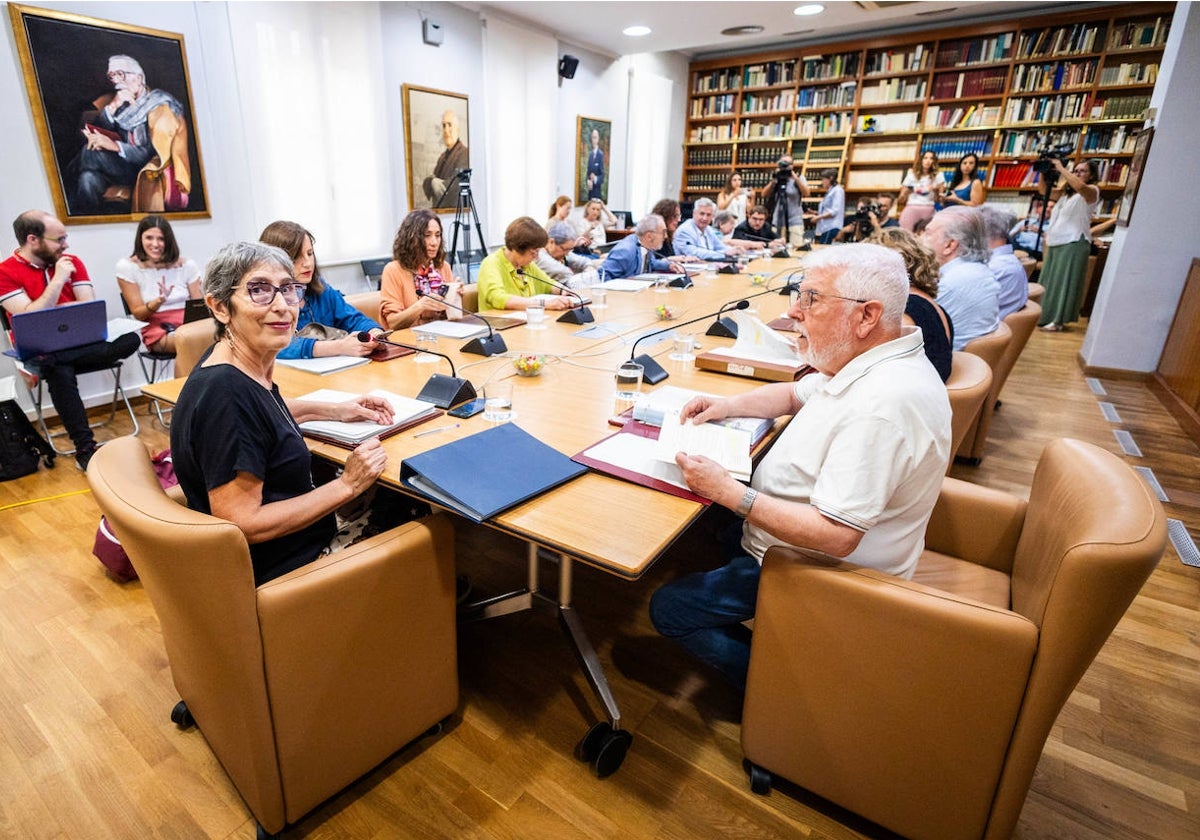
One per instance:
(854, 475)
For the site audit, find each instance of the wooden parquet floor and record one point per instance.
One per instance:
(87, 750)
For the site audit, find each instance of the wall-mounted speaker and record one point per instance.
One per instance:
(567, 65)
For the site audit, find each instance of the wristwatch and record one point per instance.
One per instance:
(743, 508)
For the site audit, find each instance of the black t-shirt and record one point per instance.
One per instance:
(226, 423)
(938, 347)
(764, 234)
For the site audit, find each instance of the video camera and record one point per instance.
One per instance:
(863, 213)
(783, 175)
(1044, 164)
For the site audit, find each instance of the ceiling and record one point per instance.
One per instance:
(694, 28)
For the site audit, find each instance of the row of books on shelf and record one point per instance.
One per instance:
(1036, 78)
(1022, 174)
(1060, 40)
(711, 157)
(711, 106)
(1110, 139)
(1129, 73)
(1149, 33)
(969, 83)
(826, 156)
(758, 103)
(835, 123)
(1072, 106)
(717, 80)
(897, 61)
(1019, 143)
(1114, 172)
(769, 73)
(833, 67)
(975, 51)
(710, 133)
(829, 96)
(1120, 107)
(973, 116)
(956, 147)
(763, 153)
(705, 180)
(911, 89)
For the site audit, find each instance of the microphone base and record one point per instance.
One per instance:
(446, 391)
(723, 328)
(485, 345)
(681, 282)
(652, 371)
(582, 315)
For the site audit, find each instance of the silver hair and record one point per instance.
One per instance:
(233, 262)
(865, 271)
(648, 224)
(561, 233)
(723, 217)
(131, 65)
(965, 226)
(997, 222)
(704, 202)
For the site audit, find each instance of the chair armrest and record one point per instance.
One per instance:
(360, 655)
(882, 694)
(976, 524)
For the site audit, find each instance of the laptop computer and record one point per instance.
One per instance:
(42, 331)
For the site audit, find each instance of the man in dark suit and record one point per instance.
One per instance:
(595, 167)
(454, 159)
(635, 254)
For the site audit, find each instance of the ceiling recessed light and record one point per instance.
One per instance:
(750, 29)
(808, 9)
(636, 31)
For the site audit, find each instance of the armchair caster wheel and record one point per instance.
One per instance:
(436, 729)
(760, 779)
(612, 753)
(181, 716)
(589, 746)
(261, 833)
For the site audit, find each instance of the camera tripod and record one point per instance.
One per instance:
(465, 213)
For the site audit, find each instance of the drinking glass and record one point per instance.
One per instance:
(681, 348)
(599, 296)
(427, 341)
(535, 317)
(629, 381)
(660, 283)
(497, 401)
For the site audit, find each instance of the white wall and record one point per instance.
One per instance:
(1149, 260)
(599, 89)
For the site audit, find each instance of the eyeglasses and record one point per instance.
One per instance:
(804, 298)
(264, 293)
(61, 240)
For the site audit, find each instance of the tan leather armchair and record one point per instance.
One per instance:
(969, 384)
(1036, 290)
(924, 705)
(191, 340)
(367, 303)
(309, 681)
(1020, 324)
(991, 348)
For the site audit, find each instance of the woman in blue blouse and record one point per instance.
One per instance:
(966, 184)
(323, 308)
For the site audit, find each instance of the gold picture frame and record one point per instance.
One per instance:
(117, 144)
(1141, 150)
(592, 171)
(435, 154)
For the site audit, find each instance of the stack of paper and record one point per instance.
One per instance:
(407, 412)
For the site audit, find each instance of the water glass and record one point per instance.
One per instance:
(497, 401)
(681, 348)
(629, 381)
(427, 341)
(660, 283)
(599, 296)
(535, 317)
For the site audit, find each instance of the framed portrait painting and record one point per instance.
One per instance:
(1141, 148)
(437, 147)
(112, 104)
(593, 137)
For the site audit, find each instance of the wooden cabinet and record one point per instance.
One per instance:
(1005, 91)
(1177, 379)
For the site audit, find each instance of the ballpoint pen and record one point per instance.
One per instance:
(435, 431)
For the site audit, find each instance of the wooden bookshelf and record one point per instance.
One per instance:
(1004, 90)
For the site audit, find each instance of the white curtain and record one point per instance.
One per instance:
(648, 140)
(310, 86)
(520, 81)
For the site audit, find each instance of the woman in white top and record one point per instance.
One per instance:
(155, 281)
(733, 198)
(920, 191)
(596, 221)
(1068, 243)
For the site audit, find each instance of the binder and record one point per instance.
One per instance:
(640, 466)
(487, 473)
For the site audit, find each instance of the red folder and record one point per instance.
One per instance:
(642, 430)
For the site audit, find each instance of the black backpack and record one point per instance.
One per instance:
(21, 447)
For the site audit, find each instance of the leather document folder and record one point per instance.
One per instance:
(489, 472)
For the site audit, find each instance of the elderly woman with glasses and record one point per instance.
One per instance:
(235, 440)
(1068, 243)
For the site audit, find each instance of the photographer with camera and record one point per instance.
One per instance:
(785, 189)
(830, 215)
(870, 218)
(1068, 241)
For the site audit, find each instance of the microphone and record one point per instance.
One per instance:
(727, 327)
(488, 345)
(652, 371)
(442, 391)
(581, 315)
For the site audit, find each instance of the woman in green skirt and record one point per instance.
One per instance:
(1068, 243)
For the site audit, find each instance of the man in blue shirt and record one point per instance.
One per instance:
(966, 288)
(635, 254)
(697, 238)
(1005, 267)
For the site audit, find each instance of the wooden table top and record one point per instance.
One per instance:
(567, 407)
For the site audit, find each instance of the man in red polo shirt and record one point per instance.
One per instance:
(38, 275)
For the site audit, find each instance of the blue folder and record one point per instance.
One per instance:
(489, 472)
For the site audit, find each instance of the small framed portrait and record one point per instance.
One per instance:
(1141, 148)
(437, 147)
(593, 138)
(112, 104)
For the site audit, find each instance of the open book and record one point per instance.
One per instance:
(654, 408)
(408, 412)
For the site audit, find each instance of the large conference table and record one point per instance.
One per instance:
(568, 407)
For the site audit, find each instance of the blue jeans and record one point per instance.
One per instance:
(703, 612)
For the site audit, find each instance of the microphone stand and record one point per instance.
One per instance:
(442, 391)
(580, 315)
(488, 345)
(727, 327)
(652, 371)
